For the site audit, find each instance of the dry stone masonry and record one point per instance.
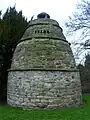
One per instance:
(43, 73)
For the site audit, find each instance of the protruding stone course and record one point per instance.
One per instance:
(43, 73)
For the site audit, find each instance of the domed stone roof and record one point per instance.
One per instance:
(44, 28)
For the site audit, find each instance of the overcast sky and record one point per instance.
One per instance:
(57, 9)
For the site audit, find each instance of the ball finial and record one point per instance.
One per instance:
(43, 15)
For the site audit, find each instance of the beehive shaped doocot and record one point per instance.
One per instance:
(43, 73)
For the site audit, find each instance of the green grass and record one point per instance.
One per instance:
(82, 113)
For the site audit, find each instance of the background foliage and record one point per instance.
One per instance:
(12, 26)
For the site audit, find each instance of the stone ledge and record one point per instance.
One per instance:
(41, 69)
(43, 37)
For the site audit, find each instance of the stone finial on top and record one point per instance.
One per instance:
(43, 15)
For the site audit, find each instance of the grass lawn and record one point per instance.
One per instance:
(82, 113)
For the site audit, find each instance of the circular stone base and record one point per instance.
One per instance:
(43, 89)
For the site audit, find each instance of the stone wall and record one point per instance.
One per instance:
(43, 89)
(47, 54)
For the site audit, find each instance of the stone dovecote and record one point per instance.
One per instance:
(43, 73)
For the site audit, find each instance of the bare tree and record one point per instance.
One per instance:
(79, 23)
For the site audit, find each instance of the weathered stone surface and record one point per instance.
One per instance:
(43, 73)
(44, 89)
(48, 54)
